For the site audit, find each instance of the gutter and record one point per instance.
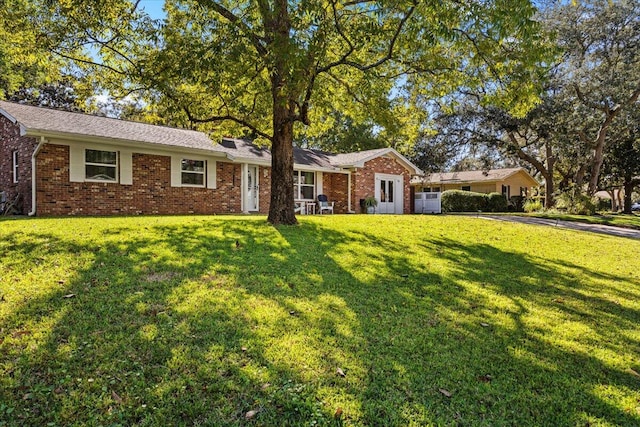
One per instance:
(33, 175)
(349, 209)
(152, 146)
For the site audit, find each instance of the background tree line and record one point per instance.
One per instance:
(583, 134)
(554, 88)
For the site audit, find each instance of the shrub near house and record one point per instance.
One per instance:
(468, 201)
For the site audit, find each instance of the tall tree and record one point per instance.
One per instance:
(271, 66)
(601, 70)
(25, 60)
(60, 95)
(621, 166)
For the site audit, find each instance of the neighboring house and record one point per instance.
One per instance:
(510, 182)
(63, 163)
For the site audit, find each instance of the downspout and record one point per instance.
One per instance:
(349, 210)
(33, 175)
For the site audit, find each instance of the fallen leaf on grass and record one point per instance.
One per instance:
(338, 413)
(484, 325)
(116, 398)
(558, 300)
(265, 386)
(445, 392)
(250, 414)
(340, 372)
(18, 334)
(633, 372)
(485, 378)
(69, 296)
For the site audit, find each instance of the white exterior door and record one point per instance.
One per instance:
(252, 188)
(389, 193)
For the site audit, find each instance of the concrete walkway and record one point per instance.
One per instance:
(581, 226)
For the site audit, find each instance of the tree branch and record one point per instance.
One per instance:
(84, 61)
(255, 40)
(228, 117)
(389, 55)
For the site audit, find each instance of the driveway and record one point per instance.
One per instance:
(594, 228)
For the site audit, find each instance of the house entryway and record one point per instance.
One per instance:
(253, 189)
(389, 193)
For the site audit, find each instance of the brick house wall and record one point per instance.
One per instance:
(264, 193)
(150, 193)
(334, 186)
(363, 180)
(10, 141)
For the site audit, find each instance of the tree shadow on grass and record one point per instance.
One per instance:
(199, 321)
(559, 315)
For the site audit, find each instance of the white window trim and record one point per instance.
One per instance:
(14, 157)
(298, 186)
(203, 173)
(176, 170)
(116, 180)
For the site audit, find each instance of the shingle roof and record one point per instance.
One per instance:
(39, 120)
(349, 159)
(358, 158)
(470, 176)
(55, 121)
(301, 156)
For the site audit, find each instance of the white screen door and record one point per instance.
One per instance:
(389, 193)
(252, 188)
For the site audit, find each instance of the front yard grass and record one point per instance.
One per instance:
(343, 320)
(618, 219)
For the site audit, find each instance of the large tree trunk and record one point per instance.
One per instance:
(549, 200)
(614, 200)
(598, 159)
(282, 201)
(547, 173)
(281, 209)
(628, 190)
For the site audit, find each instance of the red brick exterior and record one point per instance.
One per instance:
(151, 192)
(334, 186)
(264, 193)
(10, 141)
(363, 182)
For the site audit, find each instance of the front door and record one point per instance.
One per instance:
(389, 193)
(252, 188)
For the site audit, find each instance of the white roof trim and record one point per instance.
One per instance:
(124, 142)
(403, 159)
(23, 129)
(8, 116)
(426, 179)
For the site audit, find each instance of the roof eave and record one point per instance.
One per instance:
(123, 142)
(8, 116)
(406, 163)
(319, 169)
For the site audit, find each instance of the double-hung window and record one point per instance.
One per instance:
(101, 165)
(304, 185)
(15, 166)
(193, 172)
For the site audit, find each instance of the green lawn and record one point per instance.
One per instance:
(433, 320)
(618, 220)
